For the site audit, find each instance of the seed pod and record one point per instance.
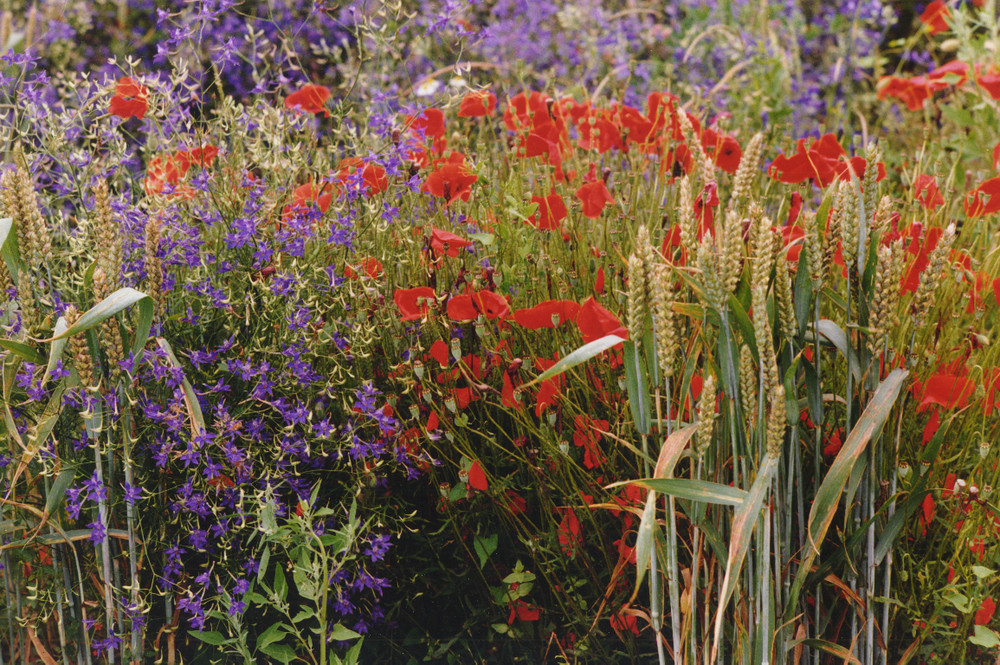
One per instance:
(762, 333)
(870, 186)
(786, 300)
(932, 276)
(637, 299)
(706, 415)
(107, 235)
(747, 171)
(664, 319)
(731, 252)
(79, 352)
(748, 385)
(154, 267)
(776, 422)
(885, 300)
(686, 221)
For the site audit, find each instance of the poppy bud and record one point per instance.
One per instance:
(903, 470)
(456, 349)
(449, 403)
(564, 447)
(418, 369)
(984, 449)
(414, 411)
(551, 417)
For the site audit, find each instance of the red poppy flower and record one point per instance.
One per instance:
(370, 265)
(130, 100)
(547, 314)
(551, 211)
(724, 150)
(477, 104)
(595, 322)
(429, 123)
(927, 192)
(372, 175)
(203, 156)
(451, 181)
(569, 533)
(507, 394)
(834, 442)
(522, 611)
(467, 307)
(601, 134)
(594, 196)
(913, 91)
(926, 513)
(549, 390)
(447, 244)
(946, 389)
(985, 612)
(477, 477)
(309, 99)
(587, 435)
(984, 200)
(625, 622)
(407, 302)
(955, 72)
(304, 196)
(935, 17)
(990, 83)
(599, 281)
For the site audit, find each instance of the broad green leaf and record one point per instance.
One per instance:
(265, 558)
(827, 499)
(274, 633)
(8, 247)
(352, 655)
(744, 526)
(958, 600)
(644, 542)
(303, 614)
(55, 349)
(838, 338)
(280, 585)
(280, 652)
(342, 634)
(581, 355)
(57, 493)
(116, 302)
(695, 490)
(982, 572)
(485, 547)
(208, 637)
(672, 449)
(26, 351)
(741, 320)
(190, 397)
(638, 394)
(40, 432)
(985, 637)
